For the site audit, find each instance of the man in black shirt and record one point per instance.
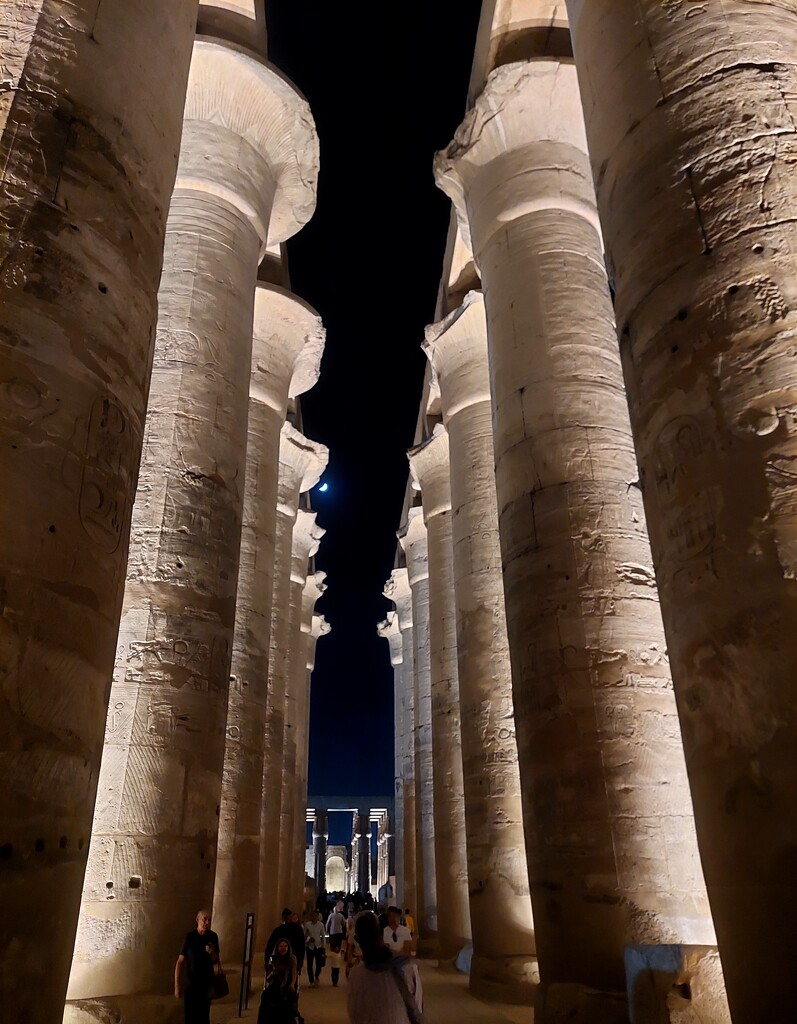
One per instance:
(199, 953)
(291, 930)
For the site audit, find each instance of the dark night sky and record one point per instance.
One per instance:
(387, 84)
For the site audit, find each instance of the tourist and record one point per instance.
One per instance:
(409, 920)
(397, 936)
(278, 1003)
(382, 989)
(199, 953)
(335, 964)
(291, 930)
(336, 926)
(315, 943)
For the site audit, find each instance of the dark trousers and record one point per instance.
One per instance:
(197, 1007)
(315, 962)
(335, 975)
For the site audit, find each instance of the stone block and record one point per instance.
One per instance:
(675, 984)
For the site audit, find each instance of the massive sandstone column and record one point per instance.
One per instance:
(320, 838)
(397, 589)
(611, 844)
(300, 467)
(246, 177)
(305, 540)
(312, 627)
(413, 540)
(287, 347)
(86, 177)
(690, 116)
(504, 961)
(390, 631)
(429, 464)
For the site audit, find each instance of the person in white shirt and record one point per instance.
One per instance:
(397, 936)
(336, 929)
(315, 943)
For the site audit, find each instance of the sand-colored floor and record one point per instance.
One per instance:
(446, 997)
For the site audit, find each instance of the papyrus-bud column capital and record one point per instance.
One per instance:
(429, 465)
(87, 172)
(288, 340)
(413, 539)
(504, 962)
(397, 589)
(691, 126)
(598, 737)
(246, 178)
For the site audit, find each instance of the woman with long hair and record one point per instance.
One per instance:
(278, 1002)
(382, 988)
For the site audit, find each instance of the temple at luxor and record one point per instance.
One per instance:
(594, 714)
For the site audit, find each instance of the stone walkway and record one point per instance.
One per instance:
(446, 999)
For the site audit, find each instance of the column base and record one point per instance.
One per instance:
(675, 984)
(506, 979)
(577, 1004)
(135, 1009)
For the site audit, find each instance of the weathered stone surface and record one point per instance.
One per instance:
(675, 985)
(247, 147)
(429, 464)
(611, 845)
(397, 589)
(84, 189)
(696, 185)
(301, 464)
(301, 668)
(412, 538)
(389, 630)
(504, 958)
(287, 346)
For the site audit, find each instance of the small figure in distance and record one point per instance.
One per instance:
(199, 953)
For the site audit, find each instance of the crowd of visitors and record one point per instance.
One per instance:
(374, 946)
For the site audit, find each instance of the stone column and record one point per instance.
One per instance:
(504, 963)
(85, 185)
(414, 542)
(361, 842)
(320, 839)
(612, 850)
(288, 342)
(245, 178)
(397, 589)
(304, 544)
(701, 240)
(312, 627)
(390, 631)
(430, 470)
(301, 464)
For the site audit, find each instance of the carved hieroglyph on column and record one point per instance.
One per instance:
(390, 631)
(313, 626)
(413, 540)
(611, 843)
(301, 464)
(504, 962)
(85, 183)
(429, 464)
(397, 589)
(305, 540)
(690, 115)
(246, 176)
(286, 353)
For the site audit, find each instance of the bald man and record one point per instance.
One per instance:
(199, 953)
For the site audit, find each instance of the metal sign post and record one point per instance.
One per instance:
(246, 965)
